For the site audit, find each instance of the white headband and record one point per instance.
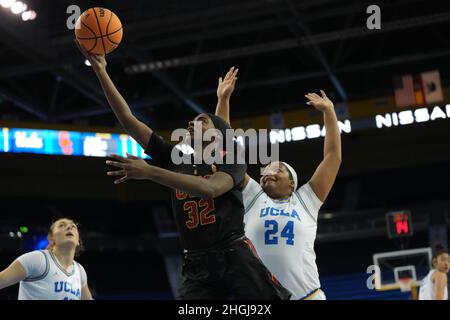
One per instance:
(293, 174)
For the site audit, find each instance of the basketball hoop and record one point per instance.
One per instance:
(405, 284)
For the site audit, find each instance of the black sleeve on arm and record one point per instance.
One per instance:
(160, 151)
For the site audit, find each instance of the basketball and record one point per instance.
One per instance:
(99, 30)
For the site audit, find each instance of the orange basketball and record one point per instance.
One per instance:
(99, 30)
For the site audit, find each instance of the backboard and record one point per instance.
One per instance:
(396, 266)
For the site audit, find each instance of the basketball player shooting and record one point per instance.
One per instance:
(219, 261)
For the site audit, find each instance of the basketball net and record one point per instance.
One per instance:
(405, 284)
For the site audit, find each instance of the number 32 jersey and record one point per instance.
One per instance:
(283, 233)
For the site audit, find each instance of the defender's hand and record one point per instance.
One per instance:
(321, 103)
(226, 85)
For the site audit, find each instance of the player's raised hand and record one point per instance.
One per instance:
(227, 84)
(131, 168)
(321, 103)
(97, 61)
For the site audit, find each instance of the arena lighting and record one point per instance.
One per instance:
(26, 15)
(29, 15)
(18, 7)
(24, 229)
(327, 216)
(7, 3)
(40, 243)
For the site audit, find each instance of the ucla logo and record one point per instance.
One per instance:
(274, 212)
(61, 286)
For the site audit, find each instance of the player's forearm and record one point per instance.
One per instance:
(193, 185)
(135, 128)
(116, 101)
(223, 109)
(332, 145)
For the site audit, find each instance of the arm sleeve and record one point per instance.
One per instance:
(83, 275)
(250, 192)
(160, 150)
(310, 200)
(35, 264)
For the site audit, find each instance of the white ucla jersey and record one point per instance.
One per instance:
(283, 233)
(46, 279)
(427, 289)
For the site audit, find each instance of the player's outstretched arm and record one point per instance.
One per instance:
(133, 168)
(224, 91)
(135, 128)
(12, 275)
(323, 178)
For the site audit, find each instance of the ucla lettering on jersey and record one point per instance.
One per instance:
(67, 288)
(270, 211)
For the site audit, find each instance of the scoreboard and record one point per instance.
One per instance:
(399, 224)
(69, 143)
